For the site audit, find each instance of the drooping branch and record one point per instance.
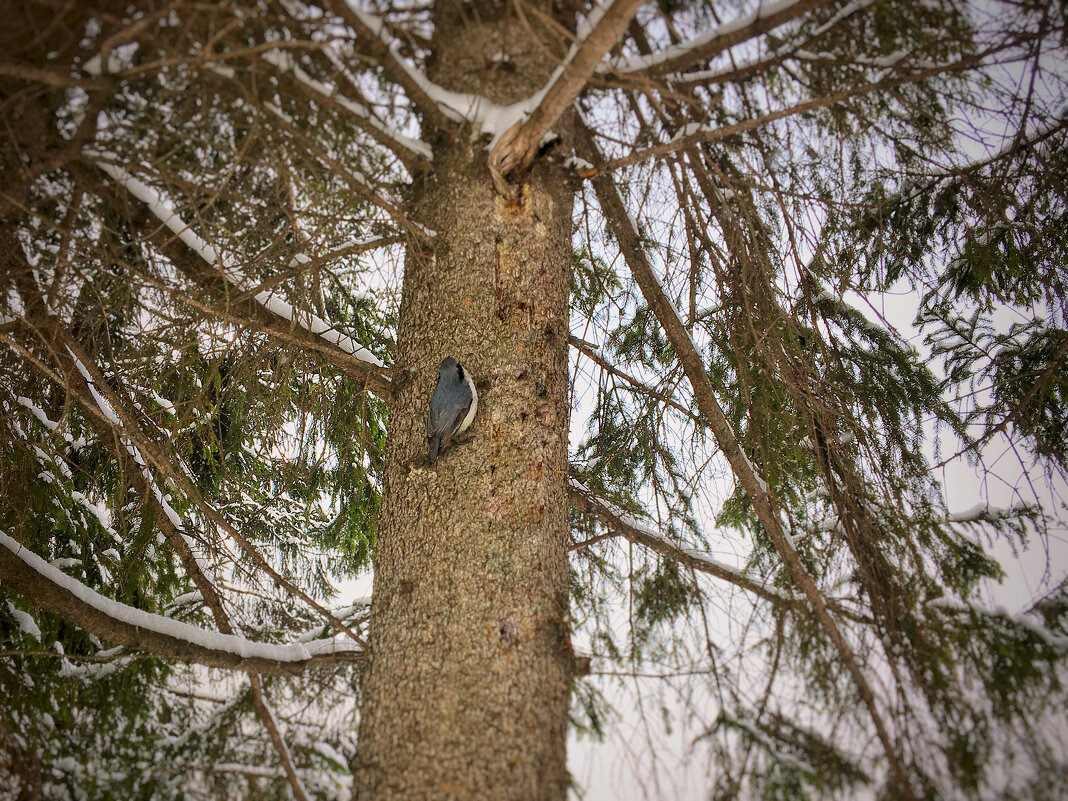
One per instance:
(754, 486)
(640, 533)
(86, 384)
(54, 591)
(597, 358)
(126, 428)
(80, 377)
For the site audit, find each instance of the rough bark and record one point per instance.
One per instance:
(466, 691)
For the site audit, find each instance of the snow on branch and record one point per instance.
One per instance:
(519, 145)
(198, 571)
(740, 68)
(384, 47)
(1050, 638)
(983, 512)
(695, 133)
(54, 591)
(761, 19)
(144, 453)
(336, 345)
(444, 107)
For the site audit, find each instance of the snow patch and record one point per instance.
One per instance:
(25, 622)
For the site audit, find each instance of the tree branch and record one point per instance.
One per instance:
(711, 410)
(194, 257)
(415, 155)
(518, 146)
(597, 358)
(760, 20)
(127, 427)
(634, 530)
(708, 134)
(381, 45)
(48, 77)
(259, 700)
(54, 591)
(357, 182)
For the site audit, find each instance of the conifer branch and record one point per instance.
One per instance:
(109, 619)
(598, 358)
(760, 20)
(635, 531)
(127, 427)
(263, 708)
(53, 591)
(208, 275)
(80, 376)
(374, 35)
(754, 486)
(413, 154)
(705, 134)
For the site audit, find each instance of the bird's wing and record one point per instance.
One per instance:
(448, 421)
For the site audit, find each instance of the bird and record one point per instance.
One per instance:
(452, 406)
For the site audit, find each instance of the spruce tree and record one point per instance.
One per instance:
(668, 241)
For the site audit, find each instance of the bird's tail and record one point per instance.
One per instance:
(435, 443)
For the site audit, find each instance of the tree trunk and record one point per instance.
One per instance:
(466, 691)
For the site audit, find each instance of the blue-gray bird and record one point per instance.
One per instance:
(452, 406)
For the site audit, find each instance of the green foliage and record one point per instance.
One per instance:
(794, 763)
(593, 284)
(779, 243)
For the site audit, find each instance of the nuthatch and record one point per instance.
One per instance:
(452, 406)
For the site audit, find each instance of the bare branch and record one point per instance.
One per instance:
(357, 182)
(739, 70)
(47, 77)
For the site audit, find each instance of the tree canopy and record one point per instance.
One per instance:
(206, 214)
